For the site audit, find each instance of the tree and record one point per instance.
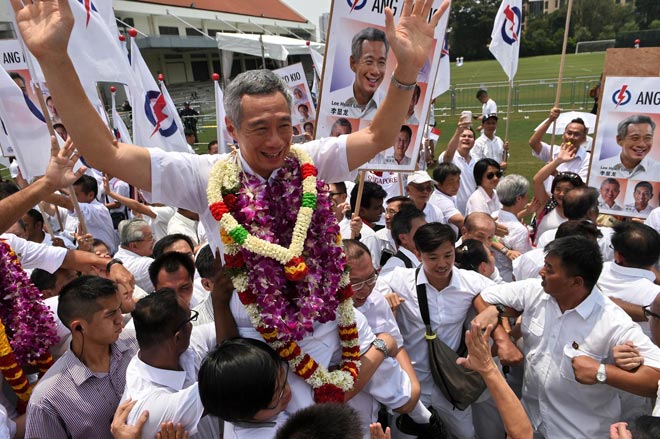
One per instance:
(472, 23)
(646, 11)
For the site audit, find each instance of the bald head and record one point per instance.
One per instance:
(479, 226)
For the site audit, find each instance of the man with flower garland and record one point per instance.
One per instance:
(291, 295)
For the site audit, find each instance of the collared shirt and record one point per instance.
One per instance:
(603, 242)
(490, 107)
(169, 395)
(603, 205)
(34, 255)
(378, 313)
(485, 147)
(646, 169)
(559, 406)
(447, 311)
(159, 224)
(517, 239)
(344, 102)
(578, 164)
(631, 208)
(99, 223)
(633, 285)
(467, 183)
(480, 201)
(367, 237)
(70, 401)
(447, 205)
(184, 225)
(386, 241)
(180, 179)
(395, 262)
(138, 266)
(528, 265)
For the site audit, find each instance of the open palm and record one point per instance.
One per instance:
(45, 25)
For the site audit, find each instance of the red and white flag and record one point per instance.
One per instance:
(224, 139)
(505, 44)
(434, 134)
(25, 128)
(156, 123)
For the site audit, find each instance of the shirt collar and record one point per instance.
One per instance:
(172, 379)
(248, 169)
(632, 272)
(453, 282)
(81, 373)
(507, 216)
(585, 308)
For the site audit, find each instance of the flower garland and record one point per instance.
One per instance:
(32, 328)
(285, 290)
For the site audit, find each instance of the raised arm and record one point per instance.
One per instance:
(132, 204)
(46, 27)
(452, 146)
(566, 153)
(59, 174)
(537, 137)
(411, 42)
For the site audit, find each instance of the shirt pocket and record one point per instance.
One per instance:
(566, 366)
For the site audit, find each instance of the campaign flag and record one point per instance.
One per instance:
(434, 134)
(224, 139)
(317, 60)
(505, 44)
(442, 79)
(25, 128)
(155, 123)
(118, 126)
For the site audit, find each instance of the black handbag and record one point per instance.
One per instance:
(459, 385)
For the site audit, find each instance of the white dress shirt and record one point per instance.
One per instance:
(448, 310)
(159, 224)
(551, 221)
(578, 164)
(34, 255)
(528, 265)
(480, 201)
(138, 266)
(646, 169)
(447, 205)
(604, 242)
(395, 262)
(559, 406)
(517, 239)
(99, 223)
(632, 209)
(486, 148)
(170, 395)
(367, 237)
(344, 103)
(378, 313)
(467, 183)
(489, 107)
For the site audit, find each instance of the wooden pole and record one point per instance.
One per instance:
(561, 72)
(358, 201)
(505, 154)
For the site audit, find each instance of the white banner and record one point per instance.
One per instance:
(12, 55)
(625, 159)
(354, 84)
(303, 116)
(224, 139)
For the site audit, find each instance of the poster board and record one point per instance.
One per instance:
(303, 113)
(626, 169)
(354, 86)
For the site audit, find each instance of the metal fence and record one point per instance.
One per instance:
(527, 96)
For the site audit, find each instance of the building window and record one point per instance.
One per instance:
(192, 32)
(6, 31)
(168, 30)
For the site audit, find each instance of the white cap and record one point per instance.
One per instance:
(419, 177)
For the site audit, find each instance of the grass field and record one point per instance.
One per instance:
(473, 75)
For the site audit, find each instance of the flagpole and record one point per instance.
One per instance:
(561, 73)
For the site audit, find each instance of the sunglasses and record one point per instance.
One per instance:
(193, 318)
(492, 175)
(648, 313)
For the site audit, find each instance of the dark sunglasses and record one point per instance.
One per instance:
(492, 175)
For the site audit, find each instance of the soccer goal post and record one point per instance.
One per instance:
(594, 46)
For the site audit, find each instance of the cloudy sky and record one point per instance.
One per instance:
(310, 9)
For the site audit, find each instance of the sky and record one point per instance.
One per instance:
(310, 9)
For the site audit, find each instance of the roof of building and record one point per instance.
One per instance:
(255, 8)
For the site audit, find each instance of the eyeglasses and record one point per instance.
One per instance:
(492, 175)
(422, 188)
(193, 318)
(286, 380)
(369, 282)
(648, 313)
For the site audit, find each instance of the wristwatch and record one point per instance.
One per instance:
(380, 345)
(601, 376)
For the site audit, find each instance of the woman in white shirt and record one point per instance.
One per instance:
(487, 173)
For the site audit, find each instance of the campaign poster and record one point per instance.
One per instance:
(357, 71)
(625, 163)
(303, 114)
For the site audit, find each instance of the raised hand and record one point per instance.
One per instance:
(45, 25)
(412, 38)
(59, 173)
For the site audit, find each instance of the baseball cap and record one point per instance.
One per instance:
(419, 177)
(489, 116)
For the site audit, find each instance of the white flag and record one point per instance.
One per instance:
(223, 135)
(154, 121)
(442, 78)
(317, 59)
(26, 128)
(118, 125)
(505, 44)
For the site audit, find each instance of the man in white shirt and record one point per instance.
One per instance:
(569, 329)
(575, 133)
(642, 195)
(404, 225)
(135, 250)
(609, 191)
(447, 178)
(635, 137)
(488, 145)
(368, 61)
(488, 106)
(458, 153)
(174, 270)
(387, 244)
(420, 187)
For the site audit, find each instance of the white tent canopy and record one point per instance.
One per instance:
(274, 46)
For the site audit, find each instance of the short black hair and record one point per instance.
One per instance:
(571, 177)
(238, 378)
(403, 199)
(481, 167)
(638, 243)
(322, 421)
(645, 427)
(579, 256)
(205, 262)
(36, 216)
(78, 298)
(188, 132)
(581, 227)
(432, 235)
(471, 254)
(157, 316)
(171, 262)
(481, 92)
(168, 240)
(580, 201)
(371, 191)
(354, 249)
(644, 184)
(402, 221)
(88, 184)
(444, 170)
(211, 144)
(42, 279)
